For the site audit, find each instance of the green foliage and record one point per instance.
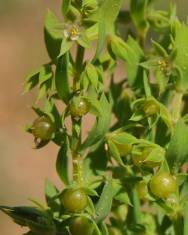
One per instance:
(128, 173)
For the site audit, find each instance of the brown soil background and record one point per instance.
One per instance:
(22, 169)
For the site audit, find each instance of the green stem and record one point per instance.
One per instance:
(78, 171)
(177, 106)
(142, 38)
(77, 123)
(136, 208)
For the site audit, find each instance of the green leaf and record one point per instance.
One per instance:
(21, 215)
(50, 194)
(84, 41)
(61, 78)
(166, 117)
(146, 85)
(123, 197)
(134, 56)
(32, 80)
(156, 155)
(92, 75)
(181, 60)
(63, 162)
(50, 108)
(184, 191)
(113, 150)
(53, 32)
(104, 228)
(94, 106)
(97, 230)
(42, 228)
(123, 138)
(65, 6)
(94, 165)
(159, 49)
(65, 46)
(46, 73)
(139, 14)
(45, 80)
(108, 12)
(104, 204)
(185, 218)
(41, 112)
(181, 178)
(164, 167)
(177, 152)
(38, 221)
(162, 80)
(101, 39)
(101, 126)
(119, 48)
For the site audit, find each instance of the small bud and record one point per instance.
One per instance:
(89, 7)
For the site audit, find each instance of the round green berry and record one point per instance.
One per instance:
(74, 200)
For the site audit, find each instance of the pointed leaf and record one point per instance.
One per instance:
(61, 78)
(104, 204)
(63, 162)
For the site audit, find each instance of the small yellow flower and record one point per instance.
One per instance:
(164, 66)
(72, 32)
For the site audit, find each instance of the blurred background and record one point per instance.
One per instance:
(23, 170)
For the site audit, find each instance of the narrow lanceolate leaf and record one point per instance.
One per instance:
(94, 165)
(177, 152)
(38, 221)
(138, 14)
(108, 12)
(45, 80)
(61, 78)
(104, 228)
(104, 204)
(181, 60)
(92, 75)
(101, 39)
(101, 126)
(50, 194)
(32, 80)
(65, 6)
(21, 214)
(134, 57)
(53, 32)
(62, 163)
(114, 153)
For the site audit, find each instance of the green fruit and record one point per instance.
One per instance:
(78, 107)
(142, 190)
(43, 128)
(121, 212)
(124, 149)
(163, 184)
(150, 108)
(140, 159)
(81, 226)
(114, 231)
(74, 200)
